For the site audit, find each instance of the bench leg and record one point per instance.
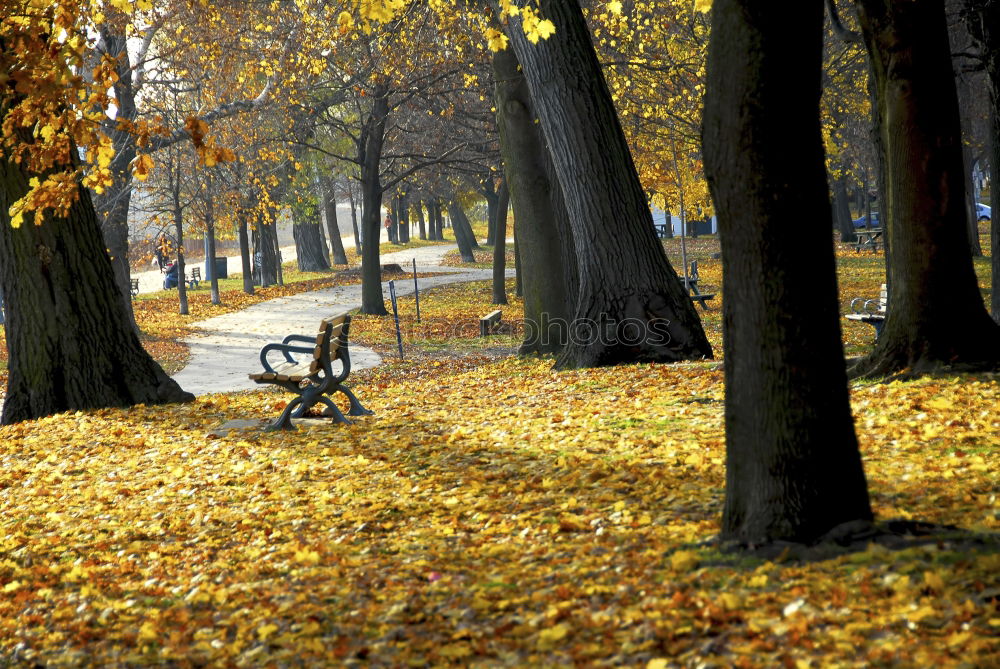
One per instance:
(356, 407)
(878, 329)
(284, 421)
(332, 410)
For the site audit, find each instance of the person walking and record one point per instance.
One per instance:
(390, 228)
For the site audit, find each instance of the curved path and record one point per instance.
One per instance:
(228, 346)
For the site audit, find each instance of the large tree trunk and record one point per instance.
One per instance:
(71, 343)
(936, 318)
(370, 146)
(500, 247)
(309, 247)
(538, 204)
(793, 470)
(631, 305)
(463, 231)
(329, 196)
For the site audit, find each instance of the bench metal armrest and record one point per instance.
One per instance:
(285, 350)
(301, 338)
(857, 304)
(868, 307)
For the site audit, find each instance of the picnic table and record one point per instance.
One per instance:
(867, 238)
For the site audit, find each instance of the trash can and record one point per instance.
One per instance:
(221, 265)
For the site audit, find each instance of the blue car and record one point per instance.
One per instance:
(863, 223)
(983, 212)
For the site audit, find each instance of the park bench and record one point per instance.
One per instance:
(133, 287)
(311, 379)
(870, 311)
(193, 278)
(489, 323)
(691, 284)
(867, 239)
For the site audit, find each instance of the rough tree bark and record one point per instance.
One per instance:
(932, 282)
(71, 342)
(631, 306)
(793, 470)
(265, 254)
(309, 248)
(538, 205)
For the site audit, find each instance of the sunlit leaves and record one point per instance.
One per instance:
(496, 40)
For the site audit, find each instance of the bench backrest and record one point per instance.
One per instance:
(883, 298)
(330, 340)
(196, 273)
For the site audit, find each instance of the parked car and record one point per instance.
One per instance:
(863, 223)
(983, 212)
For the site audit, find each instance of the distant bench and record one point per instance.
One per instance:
(312, 380)
(870, 311)
(691, 284)
(133, 287)
(489, 323)
(193, 278)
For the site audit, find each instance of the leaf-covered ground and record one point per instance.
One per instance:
(492, 512)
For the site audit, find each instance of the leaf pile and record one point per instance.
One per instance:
(492, 512)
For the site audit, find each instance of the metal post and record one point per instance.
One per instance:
(416, 289)
(395, 315)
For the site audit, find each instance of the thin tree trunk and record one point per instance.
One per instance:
(372, 300)
(793, 470)
(500, 247)
(354, 219)
(244, 238)
(421, 226)
(332, 225)
(209, 246)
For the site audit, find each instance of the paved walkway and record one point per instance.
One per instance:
(227, 348)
